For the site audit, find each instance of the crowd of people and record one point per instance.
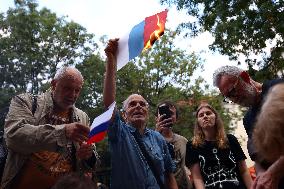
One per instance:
(46, 138)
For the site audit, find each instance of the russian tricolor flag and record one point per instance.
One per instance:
(141, 36)
(100, 125)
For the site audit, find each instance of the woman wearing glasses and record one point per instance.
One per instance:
(216, 160)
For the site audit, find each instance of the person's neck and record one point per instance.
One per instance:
(58, 110)
(210, 135)
(140, 128)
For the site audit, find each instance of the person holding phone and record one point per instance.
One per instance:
(166, 117)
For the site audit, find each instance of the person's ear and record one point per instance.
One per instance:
(124, 115)
(245, 76)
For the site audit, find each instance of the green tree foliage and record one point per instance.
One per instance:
(165, 72)
(33, 44)
(241, 27)
(90, 99)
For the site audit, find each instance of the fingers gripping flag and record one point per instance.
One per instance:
(100, 125)
(141, 36)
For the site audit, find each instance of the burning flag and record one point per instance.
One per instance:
(100, 125)
(141, 36)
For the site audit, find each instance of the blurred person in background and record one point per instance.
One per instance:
(165, 121)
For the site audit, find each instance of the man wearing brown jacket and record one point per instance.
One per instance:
(50, 142)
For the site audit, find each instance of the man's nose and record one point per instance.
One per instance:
(73, 93)
(138, 105)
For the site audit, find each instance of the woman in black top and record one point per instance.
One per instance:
(216, 160)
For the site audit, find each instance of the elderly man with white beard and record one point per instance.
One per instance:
(236, 84)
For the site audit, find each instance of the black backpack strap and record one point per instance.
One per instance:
(148, 158)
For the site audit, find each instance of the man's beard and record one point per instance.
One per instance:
(249, 99)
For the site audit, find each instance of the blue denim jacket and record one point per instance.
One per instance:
(129, 167)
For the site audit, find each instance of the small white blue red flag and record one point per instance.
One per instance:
(100, 125)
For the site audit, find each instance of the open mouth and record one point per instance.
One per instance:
(138, 114)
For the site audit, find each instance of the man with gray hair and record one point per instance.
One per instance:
(236, 85)
(46, 135)
(140, 156)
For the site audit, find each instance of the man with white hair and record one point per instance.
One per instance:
(46, 135)
(236, 85)
(140, 156)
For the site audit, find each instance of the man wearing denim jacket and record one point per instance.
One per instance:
(133, 167)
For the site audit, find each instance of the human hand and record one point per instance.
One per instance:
(85, 151)
(266, 180)
(111, 49)
(163, 124)
(77, 132)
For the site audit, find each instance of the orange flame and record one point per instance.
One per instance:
(156, 34)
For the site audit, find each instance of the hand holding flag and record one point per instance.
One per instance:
(100, 125)
(141, 36)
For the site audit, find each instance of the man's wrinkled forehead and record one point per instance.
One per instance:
(132, 98)
(136, 98)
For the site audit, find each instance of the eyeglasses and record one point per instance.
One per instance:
(134, 104)
(232, 93)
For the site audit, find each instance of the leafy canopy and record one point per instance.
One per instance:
(244, 27)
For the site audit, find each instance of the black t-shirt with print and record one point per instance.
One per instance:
(218, 167)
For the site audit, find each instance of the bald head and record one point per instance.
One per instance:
(66, 87)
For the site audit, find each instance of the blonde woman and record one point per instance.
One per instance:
(215, 159)
(268, 138)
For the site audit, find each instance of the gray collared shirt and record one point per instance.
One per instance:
(129, 167)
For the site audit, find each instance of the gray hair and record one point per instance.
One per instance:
(126, 102)
(62, 72)
(225, 70)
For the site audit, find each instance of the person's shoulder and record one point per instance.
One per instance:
(24, 95)
(155, 134)
(181, 138)
(24, 98)
(189, 142)
(232, 138)
(270, 83)
(273, 81)
(190, 146)
(80, 112)
(83, 116)
(229, 135)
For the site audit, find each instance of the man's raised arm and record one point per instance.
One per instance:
(110, 74)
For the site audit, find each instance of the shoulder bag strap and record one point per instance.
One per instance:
(148, 158)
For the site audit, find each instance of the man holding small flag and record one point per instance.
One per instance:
(140, 156)
(46, 135)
